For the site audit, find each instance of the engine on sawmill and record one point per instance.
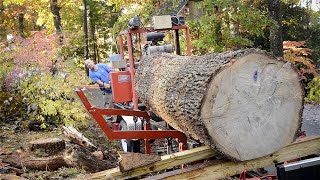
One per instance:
(152, 46)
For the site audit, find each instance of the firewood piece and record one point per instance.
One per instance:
(78, 138)
(81, 156)
(98, 155)
(44, 164)
(245, 103)
(50, 146)
(133, 160)
(7, 169)
(11, 177)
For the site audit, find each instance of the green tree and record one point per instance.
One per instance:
(275, 36)
(227, 25)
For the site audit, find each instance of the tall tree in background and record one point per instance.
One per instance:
(102, 17)
(85, 31)
(236, 21)
(235, 25)
(92, 22)
(55, 9)
(21, 26)
(275, 37)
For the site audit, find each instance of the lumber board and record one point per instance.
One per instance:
(213, 170)
(226, 168)
(167, 161)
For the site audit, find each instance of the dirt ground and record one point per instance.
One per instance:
(311, 120)
(13, 138)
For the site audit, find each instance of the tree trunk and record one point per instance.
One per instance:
(57, 19)
(276, 39)
(85, 31)
(235, 23)
(245, 103)
(218, 26)
(93, 36)
(21, 26)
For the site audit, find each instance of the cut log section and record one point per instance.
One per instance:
(130, 161)
(44, 164)
(245, 103)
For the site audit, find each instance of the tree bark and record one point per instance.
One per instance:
(276, 39)
(245, 103)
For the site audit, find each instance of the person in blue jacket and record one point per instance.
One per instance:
(100, 74)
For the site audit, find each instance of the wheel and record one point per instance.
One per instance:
(128, 145)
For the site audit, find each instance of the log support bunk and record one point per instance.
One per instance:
(212, 169)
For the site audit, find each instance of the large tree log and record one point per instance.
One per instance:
(245, 103)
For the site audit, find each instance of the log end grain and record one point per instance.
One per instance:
(252, 107)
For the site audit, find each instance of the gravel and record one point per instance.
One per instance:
(311, 119)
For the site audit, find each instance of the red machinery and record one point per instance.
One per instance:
(123, 91)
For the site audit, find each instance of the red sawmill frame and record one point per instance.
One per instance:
(146, 134)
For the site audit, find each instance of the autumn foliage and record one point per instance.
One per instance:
(38, 84)
(297, 53)
(38, 49)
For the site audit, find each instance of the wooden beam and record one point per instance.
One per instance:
(225, 168)
(166, 162)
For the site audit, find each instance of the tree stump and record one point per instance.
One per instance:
(245, 103)
(49, 146)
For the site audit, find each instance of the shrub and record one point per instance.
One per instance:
(52, 99)
(39, 85)
(314, 92)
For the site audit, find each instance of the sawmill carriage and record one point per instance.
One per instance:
(133, 123)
